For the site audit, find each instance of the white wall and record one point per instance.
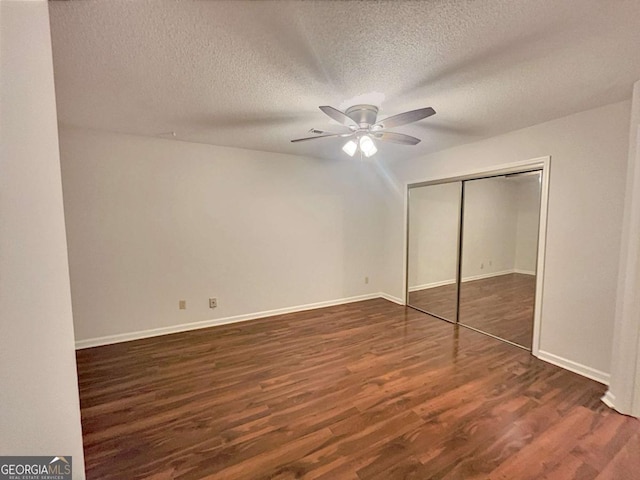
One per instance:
(39, 407)
(528, 212)
(587, 182)
(151, 221)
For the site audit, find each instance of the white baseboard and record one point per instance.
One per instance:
(609, 399)
(391, 298)
(471, 278)
(155, 332)
(574, 367)
(482, 276)
(524, 272)
(426, 286)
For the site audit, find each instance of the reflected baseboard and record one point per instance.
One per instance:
(524, 272)
(482, 276)
(426, 286)
(471, 278)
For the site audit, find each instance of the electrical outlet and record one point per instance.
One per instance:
(182, 304)
(366, 280)
(481, 266)
(213, 302)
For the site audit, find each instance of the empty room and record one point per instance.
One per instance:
(320, 239)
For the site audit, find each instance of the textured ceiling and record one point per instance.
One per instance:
(252, 74)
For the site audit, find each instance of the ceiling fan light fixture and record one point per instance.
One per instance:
(350, 148)
(367, 146)
(364, 128)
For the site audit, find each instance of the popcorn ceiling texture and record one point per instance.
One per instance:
(252, 74)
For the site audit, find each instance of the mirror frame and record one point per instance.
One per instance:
(458, 266)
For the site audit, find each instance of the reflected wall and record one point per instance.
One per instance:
(472, 253)
(434, 221)
(499, 253)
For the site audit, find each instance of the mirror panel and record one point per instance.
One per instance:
(499, 254)
(434, 221)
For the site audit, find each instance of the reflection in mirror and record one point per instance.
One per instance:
(499, 254)
(434, 218)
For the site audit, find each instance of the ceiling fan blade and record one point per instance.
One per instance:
(404, 118)
(325, 132)
(396, 138)
(322, 136)
(339, 116)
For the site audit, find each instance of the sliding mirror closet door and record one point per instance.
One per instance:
(434, 222)
(499, 254)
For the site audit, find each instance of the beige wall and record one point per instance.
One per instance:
(39, 407)
(587, 183)
(151, 221)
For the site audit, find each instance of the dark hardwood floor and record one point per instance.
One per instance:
(501, 306)
(369, 390)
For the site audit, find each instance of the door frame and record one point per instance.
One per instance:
(539, 163)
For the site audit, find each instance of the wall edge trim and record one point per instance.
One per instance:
(391, 298)
(609, 399)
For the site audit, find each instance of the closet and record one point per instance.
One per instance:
(472, 248)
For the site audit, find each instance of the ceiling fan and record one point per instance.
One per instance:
(365, 127)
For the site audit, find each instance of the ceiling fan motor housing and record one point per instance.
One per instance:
(363, 115)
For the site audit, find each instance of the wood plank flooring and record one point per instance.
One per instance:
(501, 306)
(369, 390)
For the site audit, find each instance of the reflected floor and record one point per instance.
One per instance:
(440, 301)
(501, 306)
